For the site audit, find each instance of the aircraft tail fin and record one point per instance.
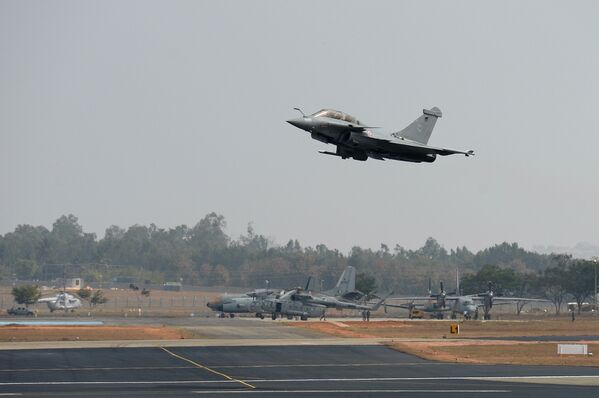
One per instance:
(420, 130)
(346, 284)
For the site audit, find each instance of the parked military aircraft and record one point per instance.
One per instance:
(358, 141)
(294, 302)
(467, 306)
(319, 300)
(250, 302)
(62, 301)
(346, 286)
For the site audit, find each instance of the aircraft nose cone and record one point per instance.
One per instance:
(300, 123)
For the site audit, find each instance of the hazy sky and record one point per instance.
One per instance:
(125, 112)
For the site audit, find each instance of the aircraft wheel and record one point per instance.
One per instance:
(274, 316)
(232, 316)
(261, 316)
(289, 317)
(304, 318)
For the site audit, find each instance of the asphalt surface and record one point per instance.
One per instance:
(273, 371)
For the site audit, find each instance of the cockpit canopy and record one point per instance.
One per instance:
(333, 114)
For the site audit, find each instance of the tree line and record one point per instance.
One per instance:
(205, 255)
(569, 278)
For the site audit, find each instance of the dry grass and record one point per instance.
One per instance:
(522, 353)
(454, 348)
(469, 329)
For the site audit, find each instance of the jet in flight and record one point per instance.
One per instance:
(358, 141)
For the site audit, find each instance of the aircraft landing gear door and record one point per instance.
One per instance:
(278, 307)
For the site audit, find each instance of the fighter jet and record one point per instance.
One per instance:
(359, 141)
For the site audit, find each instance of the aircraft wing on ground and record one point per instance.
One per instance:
(411, 298)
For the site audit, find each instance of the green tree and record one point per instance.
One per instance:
(26, 242)
(26, 294)
(365, 283)
(553, 286)
(69, 244)
(26, 269)
(85, 294)
(97, 298)
(504, 280)
(580, 280)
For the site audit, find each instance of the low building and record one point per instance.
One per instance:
(71, 283)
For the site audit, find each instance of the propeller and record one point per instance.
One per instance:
(440, 296)
(488, 297)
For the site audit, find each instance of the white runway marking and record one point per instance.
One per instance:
(310, 380)
(323, 365)
(330, 365)
(474, 378)
(348, 391)
(83, 383)
(96, 368)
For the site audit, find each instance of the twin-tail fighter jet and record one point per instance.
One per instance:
(358, 141)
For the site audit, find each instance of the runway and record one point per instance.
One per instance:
(267, 371)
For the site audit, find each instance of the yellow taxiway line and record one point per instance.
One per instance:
(216, 372)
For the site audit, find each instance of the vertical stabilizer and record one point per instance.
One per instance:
(421, 129)
(346, 284)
